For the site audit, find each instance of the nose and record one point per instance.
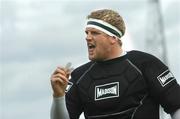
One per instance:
(89, 37)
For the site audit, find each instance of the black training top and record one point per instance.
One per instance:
(128, 87)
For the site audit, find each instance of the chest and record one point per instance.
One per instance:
(116, 87)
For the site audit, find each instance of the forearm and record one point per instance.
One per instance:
(176, 115)
(58, 109)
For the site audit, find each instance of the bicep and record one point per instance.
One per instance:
(163, 86)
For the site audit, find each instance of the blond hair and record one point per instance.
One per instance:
(109, 16)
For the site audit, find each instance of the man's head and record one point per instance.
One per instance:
(109, 16)
(104, 29)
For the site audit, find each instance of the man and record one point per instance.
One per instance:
(115, 84)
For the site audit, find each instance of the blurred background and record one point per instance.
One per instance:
(36, 36)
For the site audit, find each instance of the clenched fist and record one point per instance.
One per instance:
(59, 80)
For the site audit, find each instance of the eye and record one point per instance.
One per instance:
(95, 33)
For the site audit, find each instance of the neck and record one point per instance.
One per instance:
(118, 52)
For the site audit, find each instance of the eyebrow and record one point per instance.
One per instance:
(97, 31)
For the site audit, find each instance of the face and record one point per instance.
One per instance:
(98, 43)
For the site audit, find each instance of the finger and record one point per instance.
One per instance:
(61, 76)
(59, 70)
(64, 71)
(58, 81)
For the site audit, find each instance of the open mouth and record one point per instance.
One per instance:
(91, 46)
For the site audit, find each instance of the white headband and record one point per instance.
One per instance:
(104, 26)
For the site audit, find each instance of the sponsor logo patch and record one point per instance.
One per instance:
(68, 86)
(110, 90)
(165, 78)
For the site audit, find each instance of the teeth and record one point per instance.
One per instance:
(91, 46)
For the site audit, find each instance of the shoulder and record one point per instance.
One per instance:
(83, 67)
(79, 71)
(142, 57)
(144, 60)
